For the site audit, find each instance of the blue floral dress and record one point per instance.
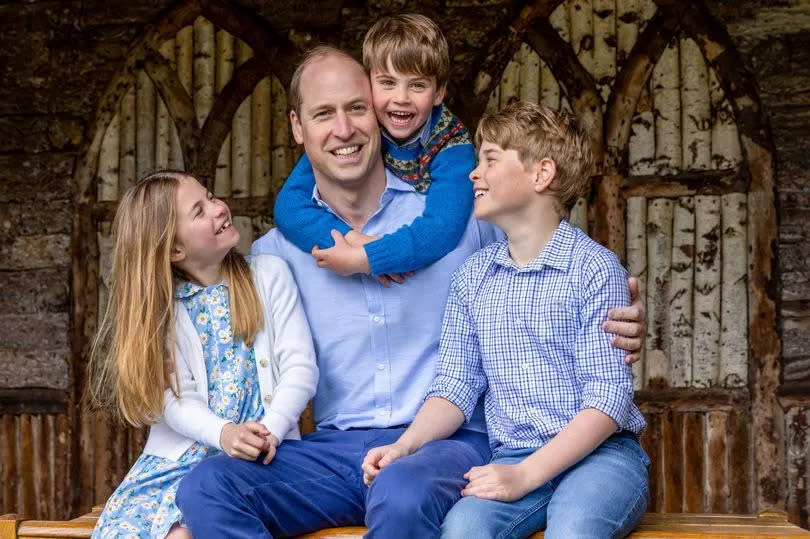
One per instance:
(143, 505)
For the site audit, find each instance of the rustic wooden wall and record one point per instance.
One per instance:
(57, 60)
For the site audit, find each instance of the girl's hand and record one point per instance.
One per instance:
(380, 457)
(504, 482)
(244, 441)
(271, 443)
(344, 258)
(629, 324)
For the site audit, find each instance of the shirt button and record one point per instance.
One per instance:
(380, 367)
(263, 363)
(268, 398)
(376, 319)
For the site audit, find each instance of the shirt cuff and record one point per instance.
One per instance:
(455, 391)
(277, 424)
(610, 399)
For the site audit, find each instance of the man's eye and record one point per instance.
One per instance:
(321, 114)
(359, 108)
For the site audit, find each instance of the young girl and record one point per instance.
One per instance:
(212, 351)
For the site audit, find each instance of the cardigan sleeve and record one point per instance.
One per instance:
(440, 227)
(302, 221)
(189, 414)
(293, 351)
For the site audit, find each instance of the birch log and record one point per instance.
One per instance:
(734, 319)
(282, 155)
(224, 73)
(108, 161)
(641, 146)
(204, 68)
(510, 81)
(245, 228)
(105, 257)
(127, 172)
(647, 9)
(260, 138)
(636, 238)
(185, 72)
(726, 151)
(529, 74)
(680, 292)
(706, 348)
(494, 101)
(549, 87)
(627, 14)
(696, 117)
(145, 122)
(552, 92)
(604, 47)
(163, 123)
(240, 136)
(580, 13)
(659, 254)
(667, 112)
(796, 437)
(175, 151)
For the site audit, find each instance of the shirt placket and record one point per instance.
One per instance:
(379, 348)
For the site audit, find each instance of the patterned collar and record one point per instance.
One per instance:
(420, 136)
(186, 289)
(556, 254)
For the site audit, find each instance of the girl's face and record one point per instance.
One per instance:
(204, 232)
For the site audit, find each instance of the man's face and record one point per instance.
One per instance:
(336, 122)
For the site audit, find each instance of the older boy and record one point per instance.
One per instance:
(522, 327)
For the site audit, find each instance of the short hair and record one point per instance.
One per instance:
(313, 54)
(414, 43)
(537, 132)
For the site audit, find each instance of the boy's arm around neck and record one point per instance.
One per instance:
(303, 222)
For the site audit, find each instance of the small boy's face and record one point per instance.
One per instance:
(403, 101)
(503, 186)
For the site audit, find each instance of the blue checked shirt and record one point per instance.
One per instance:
(530, 340)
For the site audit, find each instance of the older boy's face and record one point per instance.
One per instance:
(403, 101)
(503, 187)
(336, 123)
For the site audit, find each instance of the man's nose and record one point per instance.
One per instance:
(344, 128)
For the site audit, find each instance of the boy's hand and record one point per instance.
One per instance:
(244, 441)
(389, 278)
(357, 239)
(629, 324)
(504, 482)
(270, 445)
(380, 457)
(344, 259)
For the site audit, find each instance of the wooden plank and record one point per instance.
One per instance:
(710, 182)
(250, 207)
(659, 255)
(694, 479)
(651, 441)
(102, 458)
(740, 462)
(61, 474)
(672, 449)
(717, 470)
(26, 459)
(797, 466)
(692, 399)
(9, 463)
(40, 469)
(49, 436)
(636, 253)
(32, 401)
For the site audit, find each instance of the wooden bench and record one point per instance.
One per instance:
(653, 525)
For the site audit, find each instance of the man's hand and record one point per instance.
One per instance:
(629, 324)
(380, 457)
(270, 445)
(504, 482)
(244, 441)
(344, 258)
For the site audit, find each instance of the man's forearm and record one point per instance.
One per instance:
(437, 419)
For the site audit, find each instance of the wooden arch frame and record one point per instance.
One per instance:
(200, 147)
(610, 133)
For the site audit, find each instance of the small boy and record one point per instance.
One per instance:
(522, 327)
(423, 143)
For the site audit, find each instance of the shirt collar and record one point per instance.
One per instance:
(187, 289)
(392, 183)
(556, 254)
(420, 136)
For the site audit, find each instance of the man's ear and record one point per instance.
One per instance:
(295, 124)
(178, 254)
(440, 93)
(545, 171)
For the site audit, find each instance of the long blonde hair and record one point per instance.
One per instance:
(132, 357)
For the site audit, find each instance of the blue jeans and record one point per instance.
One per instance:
(603, 495)
(317, 483)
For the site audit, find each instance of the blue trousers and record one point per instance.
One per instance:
(603, 495)
(317, 483)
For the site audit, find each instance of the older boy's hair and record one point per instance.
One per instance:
(315, 53)
(537, 132)
(414, 43)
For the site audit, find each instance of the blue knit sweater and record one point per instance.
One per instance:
(428, 238)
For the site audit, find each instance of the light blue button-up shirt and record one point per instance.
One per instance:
(377, 346)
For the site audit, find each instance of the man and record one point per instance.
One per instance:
(376, 349)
